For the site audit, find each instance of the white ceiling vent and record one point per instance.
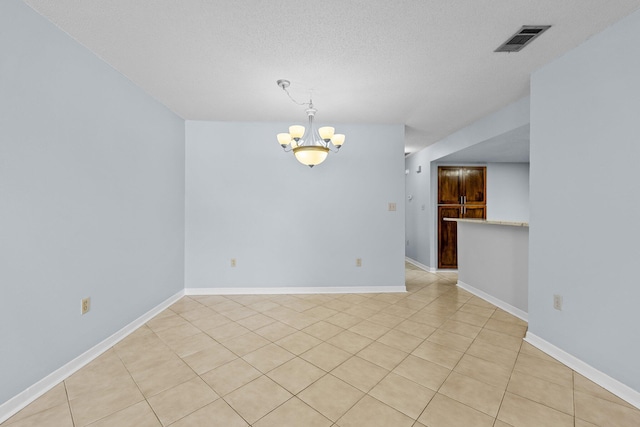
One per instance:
(523, 37)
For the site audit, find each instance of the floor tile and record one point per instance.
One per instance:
(423, 372)
(470, 318)
(343, 320)
(210, 358)
(138, 415)
(371, 412)
(492, 353)
(216, 414)
(603, 412)
(546, 370)
(162, 377)
(445, 412)
(193, 344)
(382, 355)
(296, 375)
(349, 341)
(176, 403)
(54, 397)
(227, 331)
(518, 411)
(245, 344)
(508, 328)
(439, 354)
(370, 330)
(275, 331)
(268, 357)
(256, 321)
(331, 396)
(298, 342)
(541, 391)
(402, 394)
(473, 393)
(484, 371)
(104, 372)
(326, 356)
(461, 328)
(449, 339)
(294, 413)
(256, 399)
(585, 385)
(500, 340)
(360, 373)
(323, 330)
(400, 340)
(58, 416)
(230, 376)
(416, 329)
(92, 406)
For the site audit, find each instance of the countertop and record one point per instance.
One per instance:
(491, 222)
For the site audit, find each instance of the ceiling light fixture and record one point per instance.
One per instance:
(310, 147)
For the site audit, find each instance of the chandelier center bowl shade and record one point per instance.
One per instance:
(310, 147)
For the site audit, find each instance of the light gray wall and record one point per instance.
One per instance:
(584, 234)
(494, 259)
(91, 199)
(288, 225)
(421, 229)
(508, 192)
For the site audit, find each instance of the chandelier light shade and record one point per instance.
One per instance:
(310, 147)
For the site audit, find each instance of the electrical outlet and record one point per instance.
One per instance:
(557, 302)
(233, 262)
(392, 207)
(358, 262)
(85, 305)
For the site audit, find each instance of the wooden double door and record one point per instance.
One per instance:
(462, 193)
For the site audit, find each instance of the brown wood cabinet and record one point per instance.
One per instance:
(461, 194)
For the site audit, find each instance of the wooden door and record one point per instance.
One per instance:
(448, 236)
(449, 185)
(474, 185)
(462, 193)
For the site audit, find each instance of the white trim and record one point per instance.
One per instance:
(419, 265)
(495, 301)
(296, 290)
(18, 402)
(621, 390)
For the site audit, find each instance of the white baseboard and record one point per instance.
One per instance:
(621, 390)
(18, 402)
(296, 290)
(419, 265)
(495, 301)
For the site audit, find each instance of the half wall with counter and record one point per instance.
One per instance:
(493, 262)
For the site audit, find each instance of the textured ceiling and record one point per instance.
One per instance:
(427, 64)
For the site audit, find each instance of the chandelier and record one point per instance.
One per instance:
(310, 147)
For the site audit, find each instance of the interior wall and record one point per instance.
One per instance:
(91, 199)
(584, 210)
(422, 229)
(288, 225)
(508, 192)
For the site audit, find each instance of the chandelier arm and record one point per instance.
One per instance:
(285, 149)
(332, 150)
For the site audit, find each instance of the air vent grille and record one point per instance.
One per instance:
(523, 37)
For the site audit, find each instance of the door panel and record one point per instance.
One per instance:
(449, 185)
(474, 212)
(448, 236)
(474, 185)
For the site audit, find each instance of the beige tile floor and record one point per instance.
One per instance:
(434, 356)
